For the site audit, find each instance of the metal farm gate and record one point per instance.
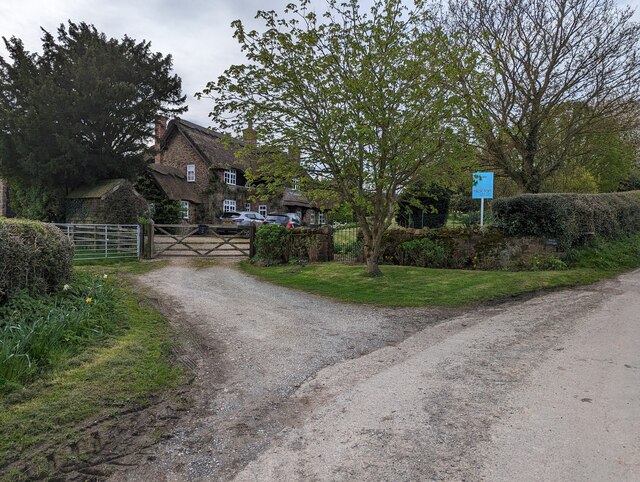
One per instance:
(99, 241)
(203, 240)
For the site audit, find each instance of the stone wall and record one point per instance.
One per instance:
(312, 244)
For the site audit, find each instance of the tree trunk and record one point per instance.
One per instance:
(371, 256)
(372, 243)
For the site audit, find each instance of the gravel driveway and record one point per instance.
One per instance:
(290, 386)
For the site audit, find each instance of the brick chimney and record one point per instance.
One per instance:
(249, 135)
(161, 128)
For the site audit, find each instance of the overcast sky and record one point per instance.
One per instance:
(196, 33)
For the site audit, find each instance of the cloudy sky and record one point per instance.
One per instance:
(196, 32)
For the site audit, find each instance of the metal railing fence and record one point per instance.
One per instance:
(100, 241)
(347, 247)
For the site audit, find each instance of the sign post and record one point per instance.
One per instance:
(482, 189)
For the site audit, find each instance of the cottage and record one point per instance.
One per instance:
(111, 201)
(210, 165)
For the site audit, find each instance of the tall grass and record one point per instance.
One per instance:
(35, 332)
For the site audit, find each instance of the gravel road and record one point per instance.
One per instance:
(290, 386)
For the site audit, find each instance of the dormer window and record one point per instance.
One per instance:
(230, 176)
(191, 173)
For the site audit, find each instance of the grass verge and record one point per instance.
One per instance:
(411, 286)
(115, 373)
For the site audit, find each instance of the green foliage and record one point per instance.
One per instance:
(570, 218)
(271, 244)
(341, 214)
(360, 100)
(80, 111)
(608, 255)
(164, 210)
(36, 330)
(36, 257)
(540, 263)
(122, 206)
(425, 253)
(88, 380)
(632, 181)
(34, 203)
(423, 206)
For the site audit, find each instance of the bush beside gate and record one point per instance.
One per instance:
(35, 256)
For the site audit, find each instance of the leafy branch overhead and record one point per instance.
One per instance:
(363, 97)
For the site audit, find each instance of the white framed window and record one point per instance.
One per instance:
(229, 205)
(296, 184)
(247, 206)
(262, 209)
(320, 218)
(191, 173)
(185, 209)
(312, 217)
(230, 176)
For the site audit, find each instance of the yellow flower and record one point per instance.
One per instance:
(104, 276)
(89, 300)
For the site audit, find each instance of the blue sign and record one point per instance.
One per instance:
(482, 185)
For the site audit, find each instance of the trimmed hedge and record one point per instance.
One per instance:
(570, 218)
(34, 256)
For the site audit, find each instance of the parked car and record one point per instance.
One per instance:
(235, 221)
(288, 220)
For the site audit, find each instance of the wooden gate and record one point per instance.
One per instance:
(204, 240)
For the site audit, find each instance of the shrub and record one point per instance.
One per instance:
(35, 257)
(271, 244)
(570, 218)
(424, 252)
(539, 263)
(424, 206)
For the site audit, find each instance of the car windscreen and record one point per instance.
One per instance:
(277, 218)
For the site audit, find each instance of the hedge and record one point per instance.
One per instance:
(35, 256)
(275, 244)
(569, 218)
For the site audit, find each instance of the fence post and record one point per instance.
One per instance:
(252, 240)
(106, 242)
(330, 243)
(152, 231)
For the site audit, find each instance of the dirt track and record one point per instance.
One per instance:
(294, 387)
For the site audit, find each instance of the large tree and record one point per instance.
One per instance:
(558, 74)
(80, 111)
(361, 98)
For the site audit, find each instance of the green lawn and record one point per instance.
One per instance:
(410, 286)
(115, 374)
